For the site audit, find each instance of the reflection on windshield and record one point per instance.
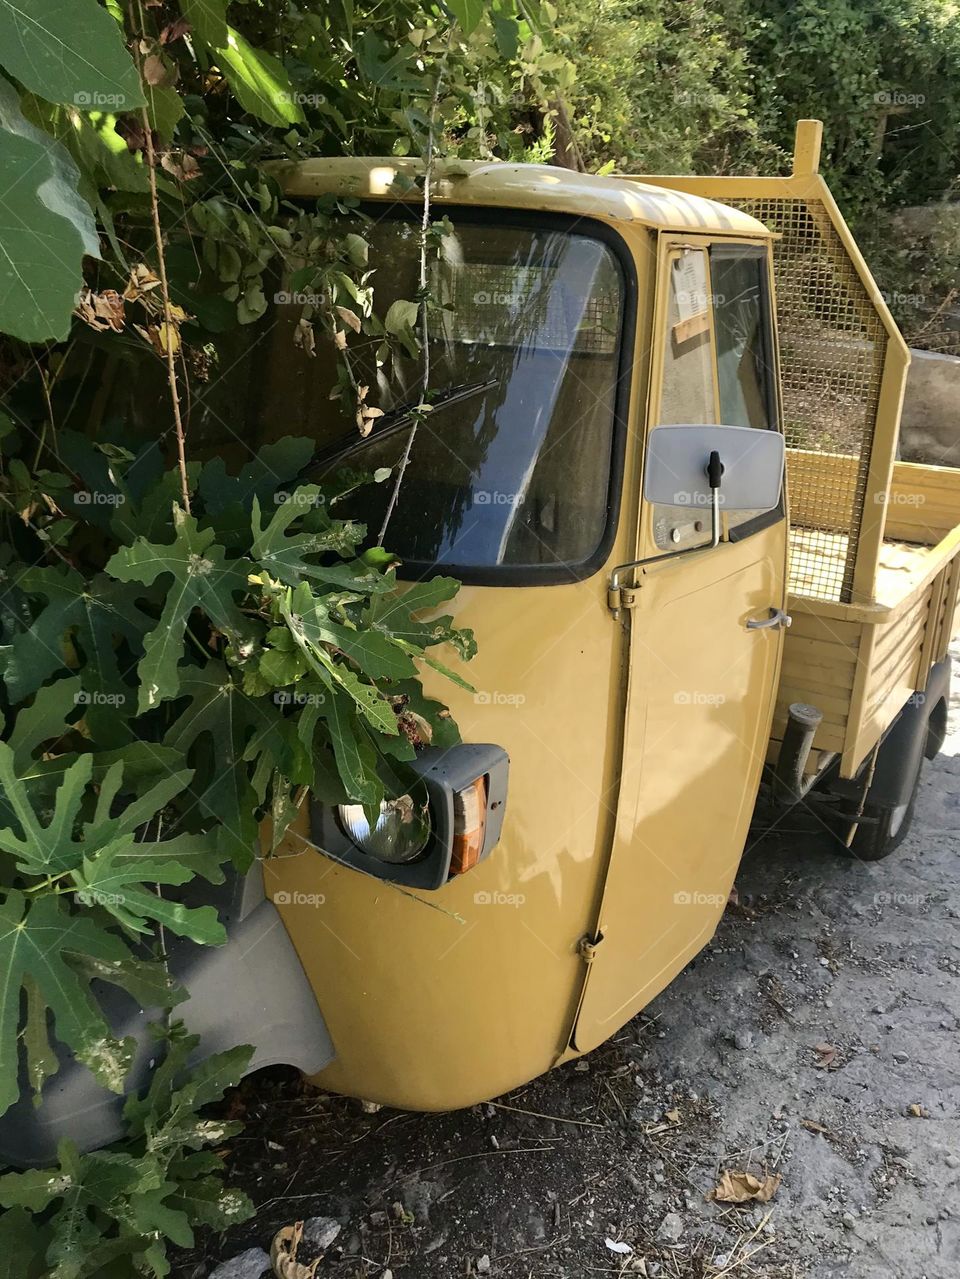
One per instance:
(517, 475)
(520, 476)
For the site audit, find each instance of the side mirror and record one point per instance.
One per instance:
(731, 468)
(680, 467)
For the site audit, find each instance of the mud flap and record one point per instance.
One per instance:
(250, 990)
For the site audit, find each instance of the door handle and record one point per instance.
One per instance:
(776, 621)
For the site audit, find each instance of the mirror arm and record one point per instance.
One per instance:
(714, 472)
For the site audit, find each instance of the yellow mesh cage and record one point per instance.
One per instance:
(832, 351)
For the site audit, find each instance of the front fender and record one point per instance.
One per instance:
(251, 990)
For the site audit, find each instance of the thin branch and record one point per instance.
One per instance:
(424, 323)
(170, 329)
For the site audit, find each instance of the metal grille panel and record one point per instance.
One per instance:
(832, 347)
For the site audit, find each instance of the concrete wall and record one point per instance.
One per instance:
(930, 428)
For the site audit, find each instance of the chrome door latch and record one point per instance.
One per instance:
(777, 620)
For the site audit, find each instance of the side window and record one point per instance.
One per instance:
(745, 369)
(689, 389)
(718, 363)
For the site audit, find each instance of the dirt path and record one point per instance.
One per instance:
(723, 1071)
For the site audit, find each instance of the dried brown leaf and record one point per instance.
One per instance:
(828, 1056)
(283, 1254)
(740, 1187)
(180, 165)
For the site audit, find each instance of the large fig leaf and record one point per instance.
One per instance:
(214, 733)
(37, 942)
(95, 614)
(41, 250)
(201, 577)
(289, 557)
(69, 51)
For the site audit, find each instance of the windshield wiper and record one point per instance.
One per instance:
(397, 419)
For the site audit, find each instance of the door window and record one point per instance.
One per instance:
(718, 365)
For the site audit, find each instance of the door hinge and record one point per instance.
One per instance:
(587, 947)
(619, 597)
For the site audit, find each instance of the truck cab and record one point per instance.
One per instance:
(660, 454)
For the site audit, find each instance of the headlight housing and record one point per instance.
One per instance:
(447, 823)
(400, 833)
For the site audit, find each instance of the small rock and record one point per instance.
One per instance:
(483, 1265)
(246, 1265)
(952, 1161)
(849, 1221)
(352, 1246)
(901, 1057)
(743, 1039)
(320, 1232)
(671, 1227)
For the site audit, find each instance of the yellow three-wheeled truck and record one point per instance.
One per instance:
(623, 371)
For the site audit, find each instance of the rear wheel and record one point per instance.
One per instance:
(883, 827)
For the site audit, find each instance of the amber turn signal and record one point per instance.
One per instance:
(469, 825)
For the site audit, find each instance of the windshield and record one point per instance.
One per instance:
(515, 473)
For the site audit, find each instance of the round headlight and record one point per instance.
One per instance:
(399, 834)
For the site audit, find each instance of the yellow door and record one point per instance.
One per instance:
(702, 681)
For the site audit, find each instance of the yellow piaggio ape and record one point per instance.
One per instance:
(623, 369)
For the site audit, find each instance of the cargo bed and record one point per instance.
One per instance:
(859, 663)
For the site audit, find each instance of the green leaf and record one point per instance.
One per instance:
(42, 250)
(283, 556)
(60, 191)
(36, 942)
(166, 108)
(273, 467)
(467, 12)
(95, 612)
(120, 879)
(259, 81)
(213, 733)
(44, 720)
(201, 577)
(208, 18)
(23, 1243)
(69, 51)
(401, 317)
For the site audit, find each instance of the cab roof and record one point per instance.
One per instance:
(537, 187)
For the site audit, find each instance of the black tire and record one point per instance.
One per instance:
(886, 828)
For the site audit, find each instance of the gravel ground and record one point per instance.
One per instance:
(816, 1039)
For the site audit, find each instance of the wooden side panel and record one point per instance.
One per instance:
(893, 670)
(820, 658)
(923, 504)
